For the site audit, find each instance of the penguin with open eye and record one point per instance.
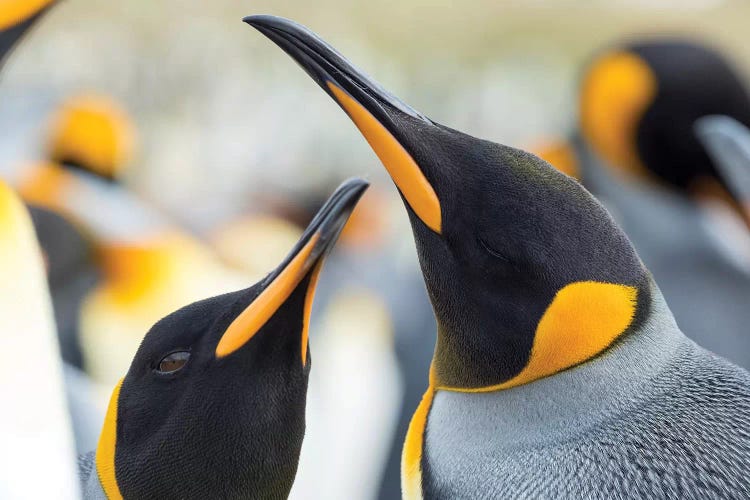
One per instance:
(213, 405)
(559, 371)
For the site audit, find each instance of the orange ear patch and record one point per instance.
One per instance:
(583, 319)
(615, 94)
(397, 161)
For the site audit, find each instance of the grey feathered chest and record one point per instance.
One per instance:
(656, 417)
(90, 485)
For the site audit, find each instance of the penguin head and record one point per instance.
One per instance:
(526, 271)
(213, 404)
(639, 104)
(17, 16)
(94, 133)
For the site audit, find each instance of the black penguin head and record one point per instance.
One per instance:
(213, 405)
(16, 17)
(639, 104)
(527, 273)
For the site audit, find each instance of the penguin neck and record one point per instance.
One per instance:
(599, 387)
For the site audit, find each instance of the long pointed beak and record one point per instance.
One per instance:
(370, 106)
(305, 258)
(16, 16)
(727, 142)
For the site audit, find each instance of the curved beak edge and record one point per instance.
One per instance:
(306, 258)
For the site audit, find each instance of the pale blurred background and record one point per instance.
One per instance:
(222, 113)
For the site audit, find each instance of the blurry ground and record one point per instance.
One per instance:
(223, 113)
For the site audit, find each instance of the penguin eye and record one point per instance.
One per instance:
(173, 362)
(493, 252)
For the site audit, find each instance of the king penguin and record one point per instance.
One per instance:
(213, 405)
(638, 150)
(558, 371)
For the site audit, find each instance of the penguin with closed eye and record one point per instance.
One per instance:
(640, 150)
(213, 405)
(559, 371)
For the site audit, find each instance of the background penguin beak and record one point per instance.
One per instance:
(306, 257)
(16, 16)
(727, 142)
(369, 105)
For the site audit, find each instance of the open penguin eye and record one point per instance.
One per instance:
(173, 362)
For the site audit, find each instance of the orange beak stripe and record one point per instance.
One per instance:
(397, 161)
(252, 319)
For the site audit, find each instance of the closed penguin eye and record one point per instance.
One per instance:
(173, 361)
(493, 252)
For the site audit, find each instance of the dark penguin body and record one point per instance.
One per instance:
(213, 405)
(71, 274)
(558, 370)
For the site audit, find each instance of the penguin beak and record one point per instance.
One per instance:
(306, 258)
(727, 143)
(16, 16)
(370, 106)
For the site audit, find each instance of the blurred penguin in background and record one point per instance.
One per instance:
(16, 17)
(86, 134)
(35, 427)
(145, 266)
(638, 150)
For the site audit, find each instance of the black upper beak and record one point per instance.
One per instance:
(326, 225)
(325, 65)
(379, 115)
(15, 19)
(303, 261)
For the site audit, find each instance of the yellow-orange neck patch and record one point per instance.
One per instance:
(252, 319)
(411, 455)
(615, 94)
(105, 451)
(583, 319)
(14, 12)
(397, 161)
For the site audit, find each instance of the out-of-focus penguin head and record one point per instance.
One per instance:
(213, 405)
(527, 272)
(639, 105)
(94, 133)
